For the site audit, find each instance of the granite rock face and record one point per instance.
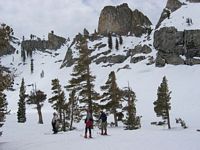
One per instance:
(54, 42)
(122, 20)
(173, 46)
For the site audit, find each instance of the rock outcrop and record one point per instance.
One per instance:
(122, 20)
(54, 42)
(172, 45)
(172, 5)
(139, 49)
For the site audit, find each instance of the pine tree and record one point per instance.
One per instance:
(37, 97)
(111, 96)
(82, 79)
(132, 121)
(110, 44)
(162, 104)
(117, 44)
(58, 100)
(120, 40)
(21, 113)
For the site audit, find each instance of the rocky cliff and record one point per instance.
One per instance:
(177, 47)
(54, 42)
(122, 20)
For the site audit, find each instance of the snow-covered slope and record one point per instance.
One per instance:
(144, 79)
(49, 62)
(178, 19)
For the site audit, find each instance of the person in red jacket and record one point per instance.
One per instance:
(88, 124)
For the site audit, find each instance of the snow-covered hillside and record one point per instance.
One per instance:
(144, 79)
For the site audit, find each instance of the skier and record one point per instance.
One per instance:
(54, 123)
(88, 124)
(103, 119)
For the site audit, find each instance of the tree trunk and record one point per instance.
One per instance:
(168, 119)
(72, 115)
(39, 114)
(89, 90)
(60, 115)
(64, 123)
(115, 118)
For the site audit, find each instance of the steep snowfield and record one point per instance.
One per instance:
(179, 17)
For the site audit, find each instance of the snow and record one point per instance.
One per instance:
(178, 18)
(144, 79)
(32, 136)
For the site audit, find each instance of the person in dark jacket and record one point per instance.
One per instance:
(54, 123)
(88, 124)
(103, 119)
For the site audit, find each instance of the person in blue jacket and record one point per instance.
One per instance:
(103, 119)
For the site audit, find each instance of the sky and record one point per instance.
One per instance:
(65, 17)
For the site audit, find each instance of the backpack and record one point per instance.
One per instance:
(103, 117)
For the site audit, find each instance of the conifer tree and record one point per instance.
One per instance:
(162, 104)
(132, 121)
(110, 43)
(58, 100)
(111, 96)
(117, 44)
(37, 97)
(82, 78)
(21, 113)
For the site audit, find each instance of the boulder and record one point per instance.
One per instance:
(139, 49)
(111, 59)
(137, 59)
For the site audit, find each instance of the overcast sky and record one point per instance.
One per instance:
(65, 17)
